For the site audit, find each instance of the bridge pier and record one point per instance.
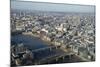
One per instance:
(56, 59)
(50, 48)
(63, 57)
(56, 47)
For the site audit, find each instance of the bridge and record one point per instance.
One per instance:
(58, 55)
(55, 57)
(50, 48)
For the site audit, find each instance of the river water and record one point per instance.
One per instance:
(29, 41)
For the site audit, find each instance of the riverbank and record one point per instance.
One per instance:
(31, 34)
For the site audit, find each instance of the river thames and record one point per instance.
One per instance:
(34, 43)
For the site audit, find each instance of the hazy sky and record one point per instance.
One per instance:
(51, 7)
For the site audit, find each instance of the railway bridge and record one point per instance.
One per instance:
(52, 57)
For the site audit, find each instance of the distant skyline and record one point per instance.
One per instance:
(41, 6)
